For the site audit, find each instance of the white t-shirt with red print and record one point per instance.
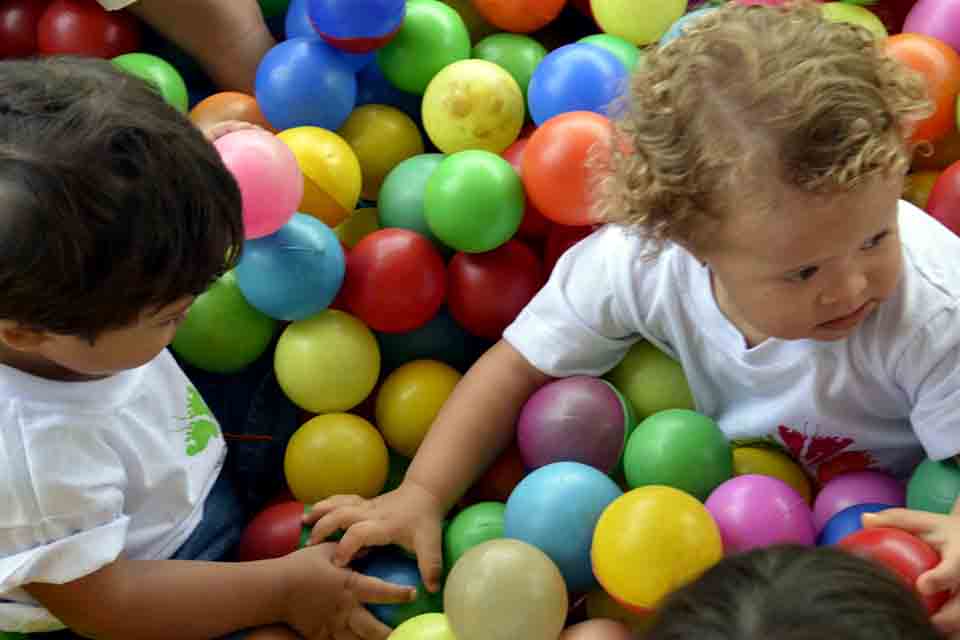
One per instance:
(882, 398)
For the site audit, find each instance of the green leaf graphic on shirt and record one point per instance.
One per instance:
(201, 424)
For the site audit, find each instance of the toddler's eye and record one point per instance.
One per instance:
(875, 240)
(803, 274)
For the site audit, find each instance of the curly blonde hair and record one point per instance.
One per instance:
(748, 97)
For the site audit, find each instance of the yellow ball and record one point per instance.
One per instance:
(359, 225)
(382, 137)
(328, 362)
(771, 462)
(638, 21)
(331, 173)
(426, 626)
(333, 454)
(651, 541)
(409, 400)
(473, 104)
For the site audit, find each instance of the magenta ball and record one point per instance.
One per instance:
(754, 511)
(858, 487)
(270, 181)
(576, 419)
(937, 18)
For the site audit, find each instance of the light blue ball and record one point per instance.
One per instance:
(556, 508)
(294, 273)
(676, 29)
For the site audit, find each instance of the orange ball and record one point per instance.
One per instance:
(940, 66)
(228, 105)
(519, 16)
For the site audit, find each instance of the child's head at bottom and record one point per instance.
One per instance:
(114, 213)
(791, 592)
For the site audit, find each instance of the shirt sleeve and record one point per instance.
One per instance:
(113, 5)
(574, 325)
(929, 372)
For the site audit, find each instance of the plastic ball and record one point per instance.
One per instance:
(666, 531)
(918, 185)
(680, 27)
(566, 497)
(402, 193)
(382, 137)
(340, 23)
(429, 626)
(305, 82)
(477, 26)
(858, 487)
(533, 226)
(159, 73)
(505, 589)
(847, 521)
(227, 105)
(936, 18)
(651, 380)
(432, 36)
(374, 88)
(600, 604)
(333, 454)
(560, 238)
(943, 202)
(271, 184)
(84, 28)
(627, 52)
(408, 402)
(474, 201)
(681, 449)
(18, 27)
(394, 566)
(358, 226)
(519, 55)
(500, 478)
(223, 333)
(396, 280)
(474, 525)
(274, 532)
(772, 462)
(934, 486)
(580, 418)
(294, 273)
(441, 338)
(331, 173)
(487, 290)
(637, 21)
(473, 104)
(329, 362)
(554, 165)
(754, 511)
(854, 14)
(575, 77)
(519, 16)
(296, 23)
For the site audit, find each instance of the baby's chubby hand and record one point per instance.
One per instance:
(220, 129)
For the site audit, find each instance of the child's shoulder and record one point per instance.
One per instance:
(931, 259)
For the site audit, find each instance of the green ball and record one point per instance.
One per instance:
(472, 526)
(627, 52)
(160, 73)
(474, 201)
(651, 380)
(273, 8)
(934, 486)
(400, 203)
(431, 36)
(222, 332)
(630, 423)
(516, 53)
(11, 635)
(396, 471)
(678, 448)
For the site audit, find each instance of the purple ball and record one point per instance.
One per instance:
(576, 419)
(858, 487)
(937, 18)
(754, 511)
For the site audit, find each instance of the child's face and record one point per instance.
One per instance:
(814, 267)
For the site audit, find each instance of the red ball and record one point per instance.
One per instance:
(83, 27)
(500, 478)
(488, 290)
(395, 280)
(944, 201)
(274, 532)
(561, 238)
(18, 27)
(533, 226)
(903, 553)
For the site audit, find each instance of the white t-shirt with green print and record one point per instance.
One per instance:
(89, 470)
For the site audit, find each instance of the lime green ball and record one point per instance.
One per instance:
(431, 36)
(474, 201)
(400, 203)
(222, 332)
(475, 524)
(627, 52)
(160, 73)
(934, 486)
(854, 14)
(516, 53)
(651, 380)
(429, 626)
(678, 448)
(273, 8)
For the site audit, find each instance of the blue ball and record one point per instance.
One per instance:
(343, 20)
(847, 521)
(297, 22)
(575, 77)
(294, 273)
(391, 564)
(556, 508)
(677, 28)
(305, 82)
(374, 88)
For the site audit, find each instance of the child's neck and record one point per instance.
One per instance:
(40, 367)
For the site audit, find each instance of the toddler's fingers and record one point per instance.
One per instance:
(916, 522)
(322, 508)
(947, 619)
(428, 549)
(377, 591)
(365, 626)
(360, 535)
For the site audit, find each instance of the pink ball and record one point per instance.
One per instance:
(269, 178)
(858, 487)
(937, 18)
(755, 511)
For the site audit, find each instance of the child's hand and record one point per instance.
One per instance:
(221, 129)
(409, 516)
(942, 532)
(326, 602)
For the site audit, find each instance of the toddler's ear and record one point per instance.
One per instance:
(20, 338)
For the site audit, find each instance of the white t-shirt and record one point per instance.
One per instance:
(92, 469)
(880, 398)
(113, 5)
